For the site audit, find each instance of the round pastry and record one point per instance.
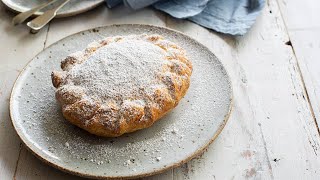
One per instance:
(122, 84)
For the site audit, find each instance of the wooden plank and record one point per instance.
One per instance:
(30, 167)
(299, 15)
(304, 32)
(102, 16)
(17, 48)
(271, 133)
(168, 175)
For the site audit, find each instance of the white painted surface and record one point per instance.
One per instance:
(271, 133)
(304, 31)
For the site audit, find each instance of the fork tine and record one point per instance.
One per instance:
(21, 17)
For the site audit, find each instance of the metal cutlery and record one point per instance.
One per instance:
(21, 17)
(39, 22)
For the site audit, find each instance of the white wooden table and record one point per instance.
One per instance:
(273, 131)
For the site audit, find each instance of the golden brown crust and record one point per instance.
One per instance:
(118, 115)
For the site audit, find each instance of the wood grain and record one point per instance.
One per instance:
(29, 167)
(17, 47)
(272, 132)
(304, 31)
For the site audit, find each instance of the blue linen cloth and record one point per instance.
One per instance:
(233, 17)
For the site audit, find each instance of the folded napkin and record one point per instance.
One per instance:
(233, 17)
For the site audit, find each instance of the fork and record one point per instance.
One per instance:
(39, 22)
(21, 17)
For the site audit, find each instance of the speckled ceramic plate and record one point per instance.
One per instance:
(72, 8)
(176, 138)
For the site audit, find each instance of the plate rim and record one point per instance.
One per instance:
(59, 15)
(154, 171)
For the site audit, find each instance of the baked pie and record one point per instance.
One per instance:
(122, 84)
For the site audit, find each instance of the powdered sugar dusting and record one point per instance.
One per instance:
(120, 70)
(179, 135)
(122, 83)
